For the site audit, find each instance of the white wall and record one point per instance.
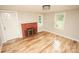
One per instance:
(71, 22)
(23, 17)
(27, 17)
(71, 28)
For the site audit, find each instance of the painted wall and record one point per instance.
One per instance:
(27, 17)
(71, 22)
(71, 27)
(23, 17)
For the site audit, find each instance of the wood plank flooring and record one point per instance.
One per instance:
(43, 42)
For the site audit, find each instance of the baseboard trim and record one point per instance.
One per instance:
(64, 36)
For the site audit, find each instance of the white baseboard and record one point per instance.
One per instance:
(63, 35)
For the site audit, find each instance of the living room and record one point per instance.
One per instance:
(46, 25)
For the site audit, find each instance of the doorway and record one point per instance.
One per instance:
(10, 25)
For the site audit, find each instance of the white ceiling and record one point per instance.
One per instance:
(37, 8)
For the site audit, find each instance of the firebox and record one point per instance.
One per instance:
(30, 31)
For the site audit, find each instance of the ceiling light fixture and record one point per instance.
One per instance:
(46, 7)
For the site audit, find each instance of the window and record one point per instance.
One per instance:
(59, 20)
(40, 20)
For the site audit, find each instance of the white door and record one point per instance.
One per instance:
(10, 25)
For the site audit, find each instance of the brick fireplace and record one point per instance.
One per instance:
(29, 29)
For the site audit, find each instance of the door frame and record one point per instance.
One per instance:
(4, 39)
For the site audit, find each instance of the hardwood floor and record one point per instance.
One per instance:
(43, 42)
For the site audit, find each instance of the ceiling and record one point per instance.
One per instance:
(37, 8)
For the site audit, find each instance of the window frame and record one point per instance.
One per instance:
(61, 13)
(40, 23)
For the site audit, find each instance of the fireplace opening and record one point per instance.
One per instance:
(30, 31)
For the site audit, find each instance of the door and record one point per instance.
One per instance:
(10, 25)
